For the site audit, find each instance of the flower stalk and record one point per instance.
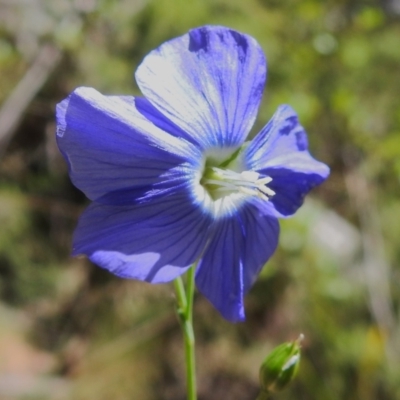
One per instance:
(185, 313)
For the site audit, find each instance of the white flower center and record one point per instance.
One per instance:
(223, 182)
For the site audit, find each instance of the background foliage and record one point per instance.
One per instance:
(69, 330)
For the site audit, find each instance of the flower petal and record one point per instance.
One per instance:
(113, 148)
(239, 247)
(280, 151)
(209, 82)
(153, 242)
(157, 118)
(290, 189)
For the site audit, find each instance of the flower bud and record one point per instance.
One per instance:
(280, 366)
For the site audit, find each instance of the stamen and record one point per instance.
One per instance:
(221, 181)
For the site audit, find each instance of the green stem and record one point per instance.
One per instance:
(185, 312)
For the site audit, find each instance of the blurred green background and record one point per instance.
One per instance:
(69, 330)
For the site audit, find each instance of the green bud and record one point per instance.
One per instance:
(280, 366)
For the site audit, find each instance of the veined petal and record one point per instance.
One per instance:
(113, 148)
(290, 189)
(153, 242)
(282, 143)
(208, 82)
(280, 151)
(157, 118)
(239, 247)
(261, 240)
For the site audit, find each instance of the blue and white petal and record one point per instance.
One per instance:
(239, 247)
(208, 82)
(280, 151)
(153, 242)
(115, 153)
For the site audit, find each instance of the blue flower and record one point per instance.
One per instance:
(170, 176)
